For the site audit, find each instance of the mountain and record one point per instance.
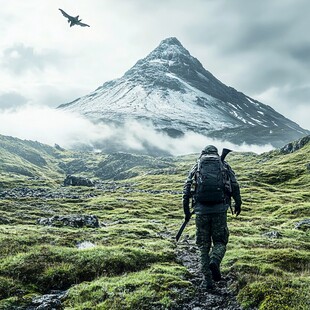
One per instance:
(171, 89)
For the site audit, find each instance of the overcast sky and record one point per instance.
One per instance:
(261, 48)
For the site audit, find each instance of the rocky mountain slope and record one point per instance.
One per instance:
(171, 89)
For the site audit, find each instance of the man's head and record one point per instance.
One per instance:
(210, 149)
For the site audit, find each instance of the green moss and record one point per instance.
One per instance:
(9, 287)
(58, 268)
(133, 264)
(273, 294)
(290, 260)
(156, 287)
(13, 303)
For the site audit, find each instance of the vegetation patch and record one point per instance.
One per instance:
(158, 287)
(273, 294)
(132, 262)
(49, 268)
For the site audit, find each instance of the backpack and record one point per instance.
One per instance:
(212, 180)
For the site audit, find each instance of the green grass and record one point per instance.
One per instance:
(133, 264)
(52, 267)
(157, 286)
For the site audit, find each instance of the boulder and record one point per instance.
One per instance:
(295, 146)
(303, 225)
(4, 220)
(272, 234)
(85, 245)
(52, 301)
(77, 221)
(72, 180)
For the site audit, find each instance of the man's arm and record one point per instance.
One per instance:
(235, 190)
(187, 192)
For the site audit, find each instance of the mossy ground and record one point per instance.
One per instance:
(133, 264)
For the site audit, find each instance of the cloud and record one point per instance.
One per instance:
(69, 130)
(257, 47)
(252, 46)
(301, 53)
(50, 126)
(11, 100)
(291, 101)
(20, 58)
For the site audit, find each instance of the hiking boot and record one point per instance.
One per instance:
(215, 270)
(207, 284)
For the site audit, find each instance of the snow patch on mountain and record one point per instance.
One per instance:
(170, 89)
(74, 131)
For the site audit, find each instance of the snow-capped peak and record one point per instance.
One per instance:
(171, 88)
(169, 49)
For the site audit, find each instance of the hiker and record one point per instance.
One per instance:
(214, 185)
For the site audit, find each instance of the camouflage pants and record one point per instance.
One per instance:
(211, 229)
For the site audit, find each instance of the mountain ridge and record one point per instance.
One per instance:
(32, 159)
(172, 90)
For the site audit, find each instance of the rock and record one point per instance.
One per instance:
(72, 180)
(58, 147)
(303, 225)
(77, 221)
(4, 221)
(272, 235)
(46, 193)
(295, 146)
(52, 301)
(85, 245)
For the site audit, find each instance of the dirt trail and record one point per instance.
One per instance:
(221, 298)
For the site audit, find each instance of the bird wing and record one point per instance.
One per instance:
(82, 24)
(64, 13)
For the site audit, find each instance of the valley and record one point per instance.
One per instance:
(131, 260)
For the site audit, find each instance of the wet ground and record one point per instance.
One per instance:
(220, 298)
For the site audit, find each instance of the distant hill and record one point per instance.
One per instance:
(28, 158)
(33, 159)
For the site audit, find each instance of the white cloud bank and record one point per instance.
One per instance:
(52, 126)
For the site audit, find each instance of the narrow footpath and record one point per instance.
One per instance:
(221, 298)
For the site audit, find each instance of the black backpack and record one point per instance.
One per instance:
(212, 180)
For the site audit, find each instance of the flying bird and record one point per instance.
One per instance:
(73, 20)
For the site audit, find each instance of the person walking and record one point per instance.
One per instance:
(214, 185)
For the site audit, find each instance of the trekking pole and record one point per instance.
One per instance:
(177, 237)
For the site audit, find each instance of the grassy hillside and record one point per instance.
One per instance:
(132, 262)
(21, 160)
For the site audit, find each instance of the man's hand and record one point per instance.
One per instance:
(237, 209)
(187, 217)
(186, 209)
